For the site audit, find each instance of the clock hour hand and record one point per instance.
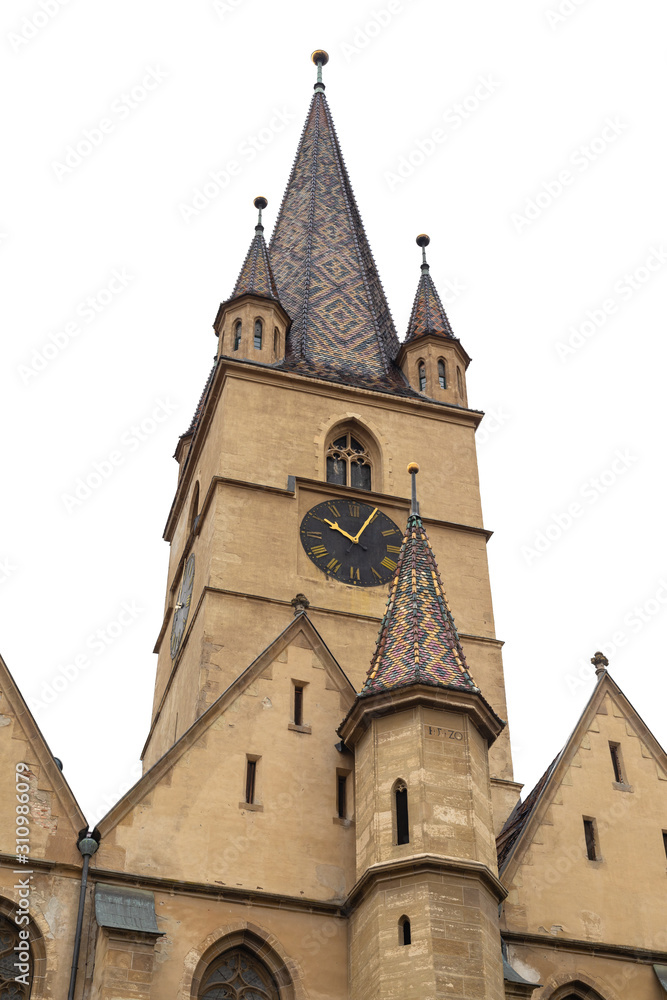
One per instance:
(365, 525)
(334, 527)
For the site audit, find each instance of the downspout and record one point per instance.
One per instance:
(87, 846)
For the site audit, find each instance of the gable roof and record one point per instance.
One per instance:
(300, 623)
(527, 815)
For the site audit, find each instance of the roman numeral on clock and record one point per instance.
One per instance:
(319, 551)
(388, 563)
(333, 565)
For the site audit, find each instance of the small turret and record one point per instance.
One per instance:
(252, 324)
(432, 358)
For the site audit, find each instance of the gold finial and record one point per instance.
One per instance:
(320, 58)
(423, 241)
(260, 202)
(413, 469)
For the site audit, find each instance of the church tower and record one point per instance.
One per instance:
(306, 424)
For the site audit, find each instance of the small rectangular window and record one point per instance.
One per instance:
(591, 845)
(298, 705)
(615, 750)
(250, 780)
(342, 796)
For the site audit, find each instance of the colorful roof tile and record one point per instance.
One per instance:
(520, 815)
(256, 277)
(324, 269)
(418, 642)
(428, 313)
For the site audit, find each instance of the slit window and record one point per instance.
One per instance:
(459, 381)
(341, 795)
(442, 374)
(402, 824)
(298, 705)
(276, 341)
(250, 780)
(237, 335)
(615, 751)
(664, 840)
(422, 377)
(258, 334)
(591, 840)
(404, 931)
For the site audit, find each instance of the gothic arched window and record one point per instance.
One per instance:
(348, 461)
(238, 975)
(237, 334)
(9, 939)
(258, 334)
(442, 374)
(422, 377)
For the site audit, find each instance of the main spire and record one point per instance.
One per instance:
(323, 265)
(418, 642)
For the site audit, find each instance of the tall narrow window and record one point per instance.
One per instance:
(276, 340)
(591, 845)
(664, 840)
(459, 381)
(404, 931)
(298, 705)
(442, 374)
(402, 825)
(250, 780)
(422, 377)
(615, 751)
(237, 334)
(342, 796)
(258, 334)
(348, 462)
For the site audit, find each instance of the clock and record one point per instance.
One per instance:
(182, 608)
(352, 542)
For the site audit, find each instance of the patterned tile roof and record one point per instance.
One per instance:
(428, 313)
(324, 269)
(418, 642)
(520, 815)
(256, 277)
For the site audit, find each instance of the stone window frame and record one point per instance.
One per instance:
(371, 453)
(285, 971)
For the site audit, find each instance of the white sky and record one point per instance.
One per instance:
(584, 95)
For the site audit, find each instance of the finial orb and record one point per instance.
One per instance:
(320, 57)
(260, 202)
(413, 467)
(423, 240)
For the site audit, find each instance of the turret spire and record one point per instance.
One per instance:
(428, 313)
(256, 277)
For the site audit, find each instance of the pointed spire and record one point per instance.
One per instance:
(428, 313)
(323, 265)
(256, 277)
(418, 642)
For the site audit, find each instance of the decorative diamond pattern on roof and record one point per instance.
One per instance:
(324, 269)
(418, 642)
(256, 277)
(428, 313)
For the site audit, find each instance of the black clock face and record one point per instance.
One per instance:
(182, 608)
(352, 542)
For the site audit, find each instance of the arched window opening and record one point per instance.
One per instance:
(194, 509)
(404, 931)
(12, 962)
(442, 374)
(459, 381)
(276, 340)
(238, 975)
(348, 461)
(422, 377)
(258, 334)
(237, 334)
(401, 803)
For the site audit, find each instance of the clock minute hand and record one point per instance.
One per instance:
(365, 525)
(334, 526)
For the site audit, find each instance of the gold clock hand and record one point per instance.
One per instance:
(365, 525)
(334, 526)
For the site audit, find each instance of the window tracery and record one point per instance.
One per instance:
(238, 975)
(9, 939)
(348, 461)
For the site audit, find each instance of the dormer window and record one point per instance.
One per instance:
(258, 334)
(237, 334)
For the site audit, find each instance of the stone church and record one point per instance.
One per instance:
(327, 808)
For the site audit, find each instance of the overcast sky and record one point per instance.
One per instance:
(527, 139)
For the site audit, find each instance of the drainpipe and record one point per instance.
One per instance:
(87, 846)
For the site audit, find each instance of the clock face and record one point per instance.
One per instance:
(352, 542)
(182, 608)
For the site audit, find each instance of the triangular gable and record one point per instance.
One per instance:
(526, 818)
(56, 817)
(337, 679)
